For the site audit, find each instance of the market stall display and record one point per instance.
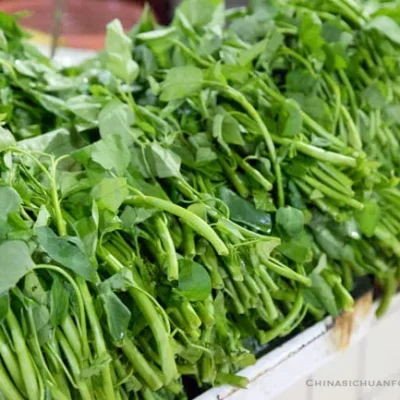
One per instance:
(193, 192)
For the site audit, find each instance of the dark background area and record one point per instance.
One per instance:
(84, 21)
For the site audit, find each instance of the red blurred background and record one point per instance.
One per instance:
(84, 21)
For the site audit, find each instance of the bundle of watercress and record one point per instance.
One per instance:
(193, 192)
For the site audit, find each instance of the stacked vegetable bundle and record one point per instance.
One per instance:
(194, 190)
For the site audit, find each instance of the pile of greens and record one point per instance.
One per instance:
(193, 192)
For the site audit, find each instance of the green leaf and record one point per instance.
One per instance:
(231, 131)
(298, 248)
(110, 193)
(121, 281)
(116, 119)
(266, 247)
(194, 281)
(15, 262)
(243, 211)
(118, 315)
(163, 162)
(112, 154)
(252, 28)
(59, 302)
(299, 81)
(291, 220)
(263, 201)
(6, 139)
(310, 31)
(386, 26)
(57, 142)
(248, 55)
(61, 250)
(368, 218)
(204, 155)
(86, 229)
(373, 96)
(131, 217)
(290, 120)
(181, 82)
(217, 131)
(9, 24)
(10, 201)
(159, 40)
(52, 104)
(119, 56)
(85, 107)
(199, 13)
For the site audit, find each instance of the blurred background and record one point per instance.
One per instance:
(83, 21)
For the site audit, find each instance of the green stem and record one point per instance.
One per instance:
(256, 175)
(99, 342)
(140, 365)
(234, 178)
(333, 194)
(267, 299)
(321, 203)
(72, 334)
(234, 296)
(190, 53)
(83, 388)
(347, 12)
(308, 121)
(152, 317)
(389, 289)
(189, 245)
(68, 321)
(286, 322)
(210, 260)
(283, 270)
(333, 183)
(352, 96)
(11, 363)
(169, 248)
(318, 153)
(354, 135)
(300, 58)
(190, 315)
(61, 226)
(266, 278)
(195, 222)
(346, 300)
(244, 293)
(241, 99)
(388, 239)
(7, 387)
(336, 174)
(338, 99)
(24, 357)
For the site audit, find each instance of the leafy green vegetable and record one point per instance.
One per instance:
(192, 191)
(64, 252)
(290, 220)
(16, 262)
(118, 50)
(194, 281)
(181, 82)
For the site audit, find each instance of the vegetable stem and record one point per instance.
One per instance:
(195, 222)
(169, 247)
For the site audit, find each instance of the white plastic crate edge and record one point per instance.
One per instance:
(302, 355)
